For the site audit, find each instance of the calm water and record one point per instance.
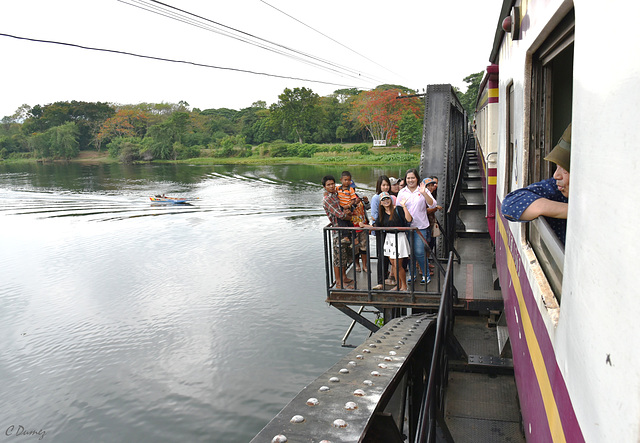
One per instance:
(123, 321)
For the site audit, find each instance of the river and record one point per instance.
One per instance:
(125, 321)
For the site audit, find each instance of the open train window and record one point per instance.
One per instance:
(551, 101)
(508, 186)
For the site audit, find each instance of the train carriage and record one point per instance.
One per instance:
(572, 309)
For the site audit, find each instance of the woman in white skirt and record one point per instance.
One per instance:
(396, 245)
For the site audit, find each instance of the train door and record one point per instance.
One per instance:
(551, 100)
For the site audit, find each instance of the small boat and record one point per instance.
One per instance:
(165, 199)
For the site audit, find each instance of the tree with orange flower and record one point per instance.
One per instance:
(125, 123)
(379, 111)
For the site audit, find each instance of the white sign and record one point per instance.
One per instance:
(379, 143)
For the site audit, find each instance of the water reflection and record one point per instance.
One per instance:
(123, 321)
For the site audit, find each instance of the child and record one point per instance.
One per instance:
(358, 217)
(347, 195)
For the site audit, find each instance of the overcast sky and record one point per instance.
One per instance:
(411, 43)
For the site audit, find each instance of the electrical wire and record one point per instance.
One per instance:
(330, 38)
(114, 51)
(167, 10)
(192, 22)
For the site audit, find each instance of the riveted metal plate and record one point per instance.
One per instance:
(488, 360)
(348, 395)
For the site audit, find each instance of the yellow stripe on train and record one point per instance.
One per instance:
(537, 359)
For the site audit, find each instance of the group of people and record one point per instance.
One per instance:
(398, 203)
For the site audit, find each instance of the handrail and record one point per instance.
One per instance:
(458, 181)
(389, 230)
(427, 419)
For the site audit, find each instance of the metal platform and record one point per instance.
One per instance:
(474, 276)
(481, 403)
(363, 394)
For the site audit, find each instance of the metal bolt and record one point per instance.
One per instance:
(339, 423)
(350, 406)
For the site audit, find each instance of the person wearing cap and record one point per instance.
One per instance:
(395, 185)
(548, 198)
(431, 184)
(383, 185)
(396, 245)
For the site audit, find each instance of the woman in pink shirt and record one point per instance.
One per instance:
(417, 198)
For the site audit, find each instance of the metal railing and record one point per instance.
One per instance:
(347, 256)
(432, 399)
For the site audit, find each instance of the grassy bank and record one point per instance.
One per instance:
(379, 156)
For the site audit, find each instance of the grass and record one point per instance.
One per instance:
(386, 156)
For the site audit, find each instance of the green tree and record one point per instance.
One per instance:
(296, 113)
(409, 130)
(64, 140)
(470, 96)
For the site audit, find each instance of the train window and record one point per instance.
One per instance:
(551, 100)
(508, 186)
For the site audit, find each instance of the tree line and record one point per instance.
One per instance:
(301, 123)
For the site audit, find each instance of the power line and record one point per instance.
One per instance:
(245, 37)
(330, 38)
(150, 57)
(174, 16)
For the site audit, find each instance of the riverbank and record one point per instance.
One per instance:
(385, 156)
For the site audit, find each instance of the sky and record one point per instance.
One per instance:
(328, 45)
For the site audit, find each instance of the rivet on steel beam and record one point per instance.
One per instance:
(312, 401)
(323, 388)
(359, 393)
(350, 405)
(372, 345)
(339, 423)
(368, 382)
(388, 359)
(360, 357)
(375, 373)
(366, 351)
(382, 366)
(297, 419)
(393, 352)
(279, 439)
(334, 380)
(344, 371)
(352, 363)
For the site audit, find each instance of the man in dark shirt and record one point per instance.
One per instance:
(335, 212)
(549, 198)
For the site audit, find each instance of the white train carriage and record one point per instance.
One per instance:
(573, 310)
